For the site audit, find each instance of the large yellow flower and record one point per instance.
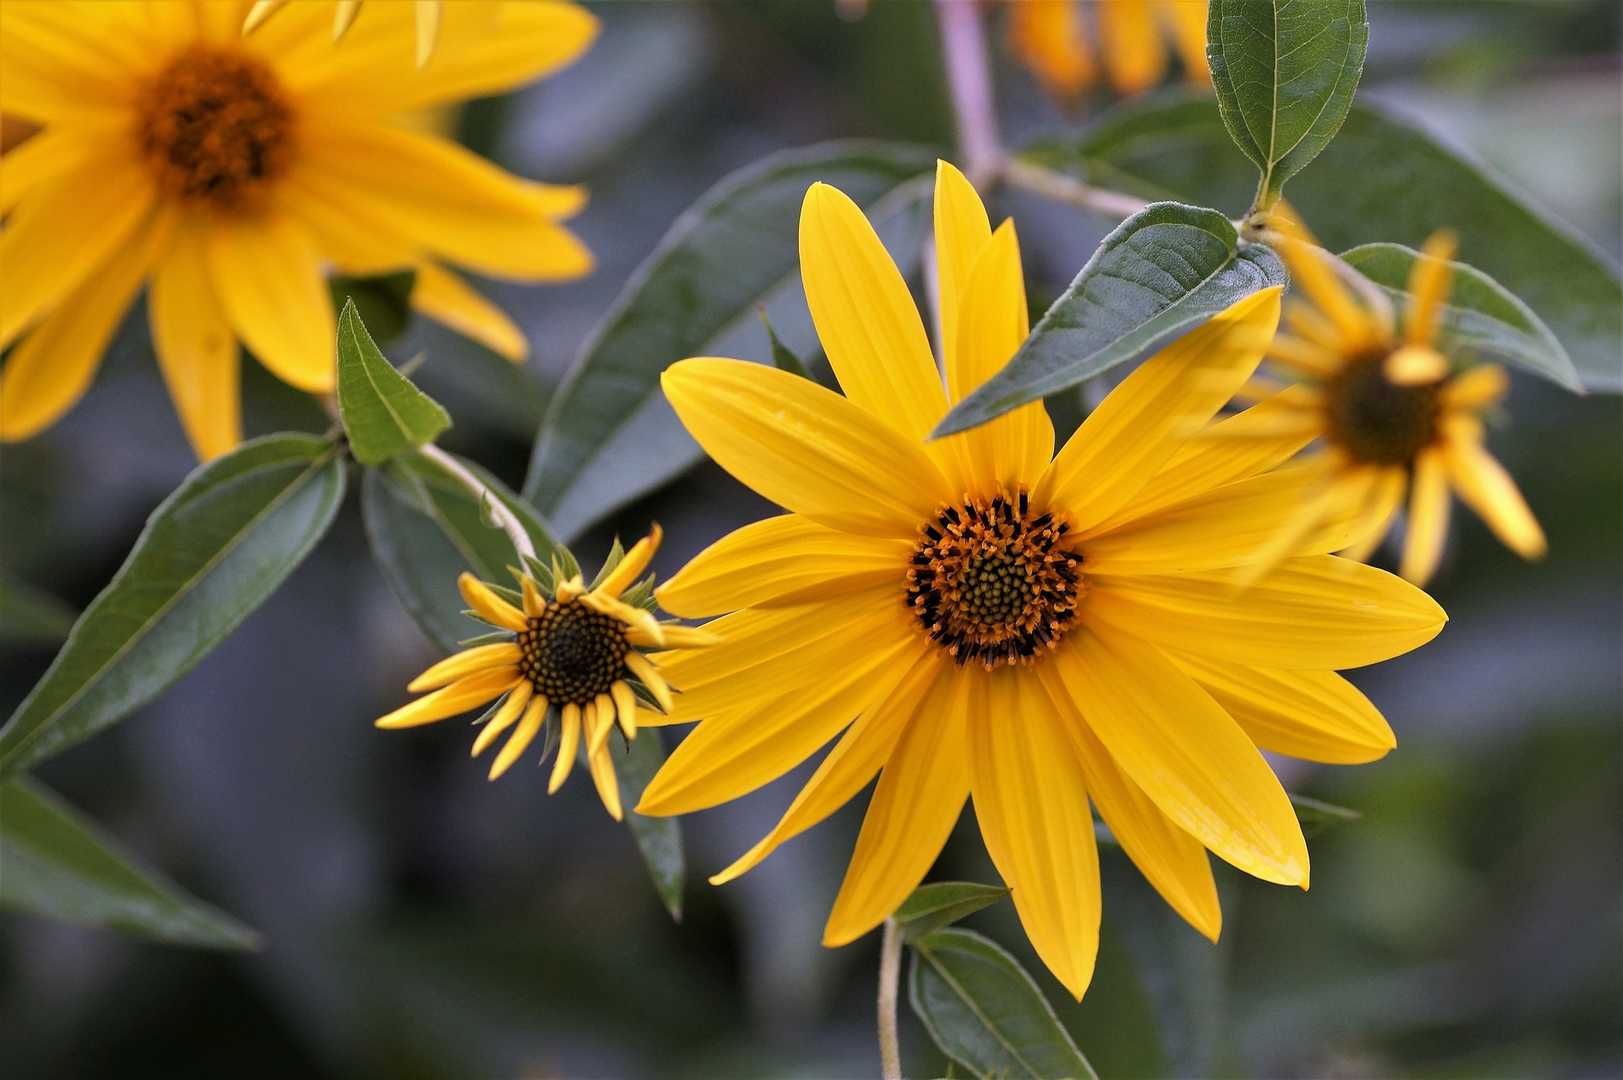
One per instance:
(1051, 39)
(1393, 412)
(230, 174)
(1035, 634)
(430, 14)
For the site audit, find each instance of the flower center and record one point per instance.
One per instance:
(215, 126)
(571, 654)
(990, 583)
(1376, 420)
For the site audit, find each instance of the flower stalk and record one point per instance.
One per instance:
(890, 977)
(498, 510)
(1067, 189)
(969, 79)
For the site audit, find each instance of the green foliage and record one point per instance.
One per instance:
(1284, 72)
(32, 616)
(943, 903)
(425, 528)
(1482, 315)
(383, 301)
(59, 865)
(609, 435)
(659, 839)
(783, 357)
(384, 415)
(210, 554)
(1161, 272)
(1316, 817)
(984, 1011)
(1408, 184)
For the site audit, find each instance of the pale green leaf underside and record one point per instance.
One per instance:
(384, 414)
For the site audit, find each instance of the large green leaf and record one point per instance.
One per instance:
(1162, 271)
(659, 839)
(985, 1013)
(1284, 72)
(609, 435)
(56, 863)
(1482, 316)
(31, 615)
(209, 555)
(943, 903)
(1382, 179)
(384, 415)
(425, 528)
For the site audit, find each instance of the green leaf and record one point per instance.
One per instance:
(425, 528)
(609, 435)
(984, 1011)
(59, 865)
(1481, 316)
(943, 903)
(1408, 183)
(659, 839)
(1161, 272)
(384, 415)
(1284, 72)
(383, 300)
(32, 616)
(210, 554)
(783, 357)
(1316, 817)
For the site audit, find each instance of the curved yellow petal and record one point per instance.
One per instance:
(1315, 271)
(1476, 388)
(962, 230)
(569, 725)
(1031, 800)
(1130, 44)
(1428, 517)
(918, 800)
(490, 607)
(1385, 496)
(501, 655)
(760, 636)
(1048, 38)
(504, 716)
(1489, 490)
(604, 779)
(459, 697)
(267, 275)
(446, 298)
(1318, 611)
(1184, 752)
(69, 63)
(806, 448)
(782, 560)
(633, 564)
(1428, 286)
(197, 351)
(523, 735)
(38, 161)
(1186, 22)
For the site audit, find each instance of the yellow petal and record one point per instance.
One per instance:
(1428, 517)
(523, 735)
(1313, 612)
(1186, 20)
(501, 655)
(1428, 286)
(1488, 489)
(446, 298)
(1131, 46)
(961, 232)
(673, 636)
(1169, 858)
(915, 805)
(1314, 269)
(607, 784)
(782, 560)
(38, 162)
(459, 697)
(650, 678)
(1316, 715)
(603, 712)
(262, 10)
(865, 316)
(569, 725)
(1048, 38)
(625, 707)
(1415, 365)
(805, 448)
(1184, 752)
(1145, 420)
(534, 602)
(633, 564)
(1032, 805)
(1477, 388)
(428, 33)
(504, 716)
(1385, 495)
(197, 351)
(268, 277)
(847, 768)
(69, 62)
(490, 607)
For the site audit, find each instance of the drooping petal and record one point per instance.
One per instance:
(1184, 751)
(780, 561)
(569, 725)
(459, 697)
(196, 348)
(1145, 420)
(523, 735)
(1032, 805)
(267, 275)
(807, 449)
(446, 298)
(918, 799)
(504, 716)
(502, 654)
(607, 784)
(1428, 517)
(1489, 490)
(1318, 611)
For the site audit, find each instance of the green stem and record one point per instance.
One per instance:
(504, 518)
(890, 977)
(1068, 189)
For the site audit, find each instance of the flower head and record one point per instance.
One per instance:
(230, 173)
(1039, 633)
(1052, 40)
(576, 653)
(1394, 411)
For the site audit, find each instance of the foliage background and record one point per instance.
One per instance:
(420, 921)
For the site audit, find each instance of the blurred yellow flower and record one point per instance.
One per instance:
(230, 173)
(1394, 413)
(1052, 40)
(576, 652)
(430, 14)
(1030, 630)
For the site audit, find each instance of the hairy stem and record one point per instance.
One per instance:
(963, 49)
(509, 522)
(1067, 189)
(890, 977)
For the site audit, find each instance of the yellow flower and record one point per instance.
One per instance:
(1049, 37)
(1035, 634)
(1393, 411)
(576, 652)
(430, 14)
(229, 174)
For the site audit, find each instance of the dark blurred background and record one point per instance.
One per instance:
(419, 921)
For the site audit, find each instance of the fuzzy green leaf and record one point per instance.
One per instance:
(384, 414)
(943, 903)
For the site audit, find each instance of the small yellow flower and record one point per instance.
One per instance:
(229, 174)
(577, 653)
(1050, 38)
(1394, 412)
(430, 15)
(985, 619)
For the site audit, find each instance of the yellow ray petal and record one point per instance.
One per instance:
(1428, 286)
(1186, 20)
(1415, 365)
(1185, 752)
(1477, 388)
(459, 697)
(268, 277)
(523, 735)
(1314, 612)
(1428, 517)
(865, 316)
(68, 63)
(625, 708)
(1131, 46)
(1145, 420)
(1488, 489)
(1385, 495)
(569, 725)
(961, 232)
(651, 679)
(428, 33)
(504, 716)
(633, 564)
(672, 636)
(847, 768)
(1311, 267)
(446, 298)
(805, 448)
(758, 637)
(197, 351)
(262, 10)
(1316, 715)
(917, 802)
(1032, 805)
(343, 17)
(1048, 38)
(490, 607)
(534, 602)
(607, 784)
(782, 560)
(40, 160)
(501, 655)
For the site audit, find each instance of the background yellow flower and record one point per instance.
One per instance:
(1054, 39)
